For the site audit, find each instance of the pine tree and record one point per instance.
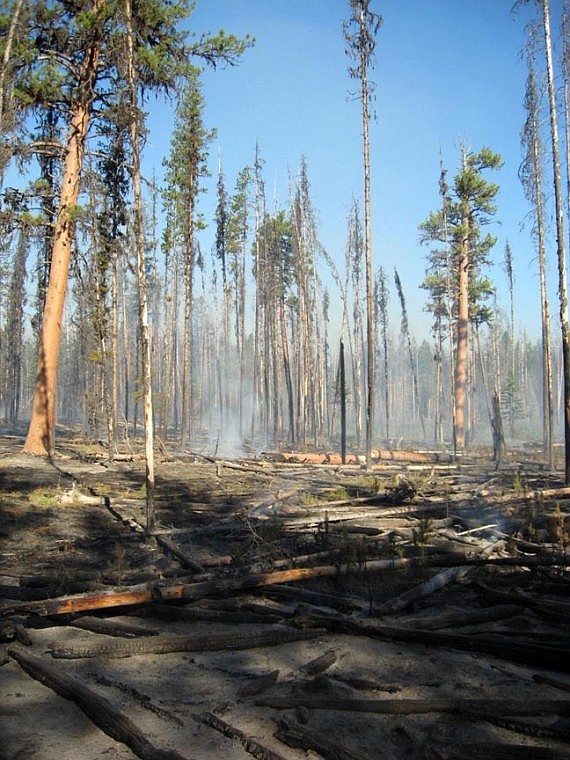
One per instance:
(460, 224)
(73, 62)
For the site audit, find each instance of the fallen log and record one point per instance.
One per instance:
(223, 585)
(117, 597)
(98, 709)
(235, 617)
(548, 681)
(438, 581)
(47, 580)
(273, 636)
(184, 559)
(19, 593)
(319, 664)
(301, 738)
(258, 685)
(251, 745)
(552, 657)
(112, 627)
(377, 454)
(144, 700)
(296, 594)
(520, 707)
(470, 617)
(537, 495)
(138, 595)
(525, 727)
(557, 611)
(438, 751)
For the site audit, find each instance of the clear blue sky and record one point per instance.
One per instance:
(446, 71)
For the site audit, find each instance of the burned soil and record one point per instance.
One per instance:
(282, 607)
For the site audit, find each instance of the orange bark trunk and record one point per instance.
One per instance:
(462, 344)
(40, 438)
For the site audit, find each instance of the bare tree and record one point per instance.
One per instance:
(406, 334)
(560, 242)
(360, 35)
(140, 245)
(531, 177)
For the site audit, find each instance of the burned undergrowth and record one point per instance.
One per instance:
(437, 589)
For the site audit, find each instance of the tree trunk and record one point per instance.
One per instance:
(114, 356)
(186, 368)
(41, 433)
(460, 391)
(562, 278)
(547, 405)
(141, 278)
(368, 243)
(342, 404)
(287, 367)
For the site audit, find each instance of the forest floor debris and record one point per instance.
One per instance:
(440, 623)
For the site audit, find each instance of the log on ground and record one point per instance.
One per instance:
(251, 745)
(273, 636)
(421, 706)
(102, 712)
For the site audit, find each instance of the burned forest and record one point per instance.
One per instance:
(284, 380)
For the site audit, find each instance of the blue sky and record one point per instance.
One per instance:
(446, 71)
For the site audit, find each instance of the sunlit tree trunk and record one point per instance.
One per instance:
(41, 434)
(561, 249)
(141, 275)
(531, 177)
(259, 376)
(462, 334)
(114, 352)
(189, 261)
(438, 413)
(361, 44)
(461, 356)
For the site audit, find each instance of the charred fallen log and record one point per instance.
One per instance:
(102, 712)
(273, 636)
(535, 655)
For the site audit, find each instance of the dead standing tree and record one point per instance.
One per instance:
(140, 245)
(560, 243)
(544, 15)
(531, 174)
(406, 333)
(360, 36)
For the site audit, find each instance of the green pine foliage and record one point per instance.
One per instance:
(467, 207)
